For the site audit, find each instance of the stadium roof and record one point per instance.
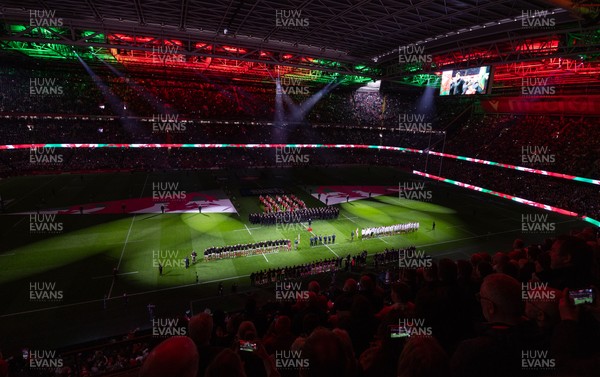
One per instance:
(350, 30)
(358, 40)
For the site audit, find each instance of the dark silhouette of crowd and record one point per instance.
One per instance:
(581, 198)
(282, 274)
(390, 256)
(506, 314)
(503, 138)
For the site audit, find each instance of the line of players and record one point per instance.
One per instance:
(298, 216)
(322, 240)
(239, 250)
(390, 230)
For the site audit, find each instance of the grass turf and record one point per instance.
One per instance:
(80, 259)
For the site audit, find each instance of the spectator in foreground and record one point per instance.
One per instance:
(401, 305)
(174, 357)
(497, 351)
(325, 354)
(280, 336)
(200, 330)
(570, 264)
(422, 356)
(226, 364)
(256, 363)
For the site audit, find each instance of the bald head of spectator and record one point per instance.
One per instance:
(226, 363)
(314, 286)
(350, 285)
(476, 259)
(174, 357)
(283, 325)
(500, 259)
(423, 356)
(247, 331)
(200, 329)
(366, 284)
(501, 299)
(325, 353)
(518, 244)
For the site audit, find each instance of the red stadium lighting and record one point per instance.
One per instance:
(234, 49)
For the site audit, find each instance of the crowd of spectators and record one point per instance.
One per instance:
(97, 359)
(502, 314)
(581, 198)
(390, 256)
(568, 142)
(508, 313)
(244, 114)
(282, 274)
(298, 272)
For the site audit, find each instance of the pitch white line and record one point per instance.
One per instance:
(117, 298)
(334, 253)
(108, 276)
(258, 255)
(265, 258)
(327, 246)
(120, 243)
(381, 239)
(127, 238)
(242, 230)
(31, 192)
(121, 257)
(350, 218)
(7, 255)
(249, 232)
(17, 223)
(485, 235)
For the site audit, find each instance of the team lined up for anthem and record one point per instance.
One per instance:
(389, 230)
(232, 251)
(298, 216)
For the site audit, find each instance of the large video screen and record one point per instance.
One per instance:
(468, 81)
